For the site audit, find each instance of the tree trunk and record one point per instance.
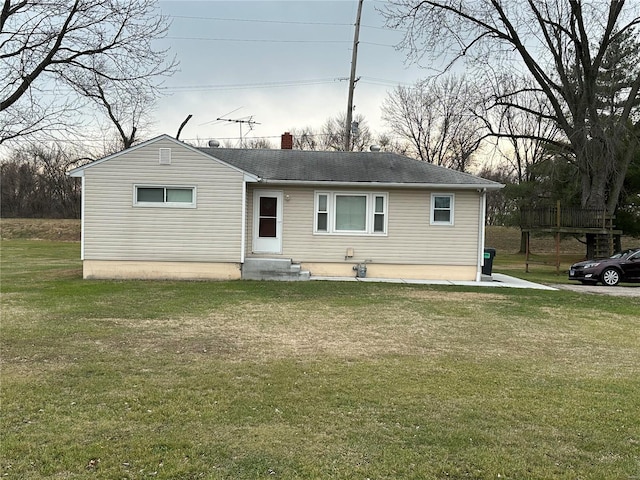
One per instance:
(523, 242)
(594, 188)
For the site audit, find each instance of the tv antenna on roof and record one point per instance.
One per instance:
(251, 122)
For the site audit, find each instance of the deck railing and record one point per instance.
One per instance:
(564, 217)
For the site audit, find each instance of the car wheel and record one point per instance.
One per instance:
(610, 277)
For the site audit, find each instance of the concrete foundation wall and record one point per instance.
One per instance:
(121, 270)
(409, 272)
(101, 269)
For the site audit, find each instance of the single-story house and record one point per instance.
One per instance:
(167, 210)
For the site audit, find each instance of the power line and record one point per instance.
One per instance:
(383, 81)
(253, 40)
(281, 22)
(260, 85)
(378, 44)
(239, 86)
(267, 40)
(285, 22)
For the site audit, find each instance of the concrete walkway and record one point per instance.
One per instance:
(496, 280)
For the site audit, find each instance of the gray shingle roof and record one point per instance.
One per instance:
(347, 167)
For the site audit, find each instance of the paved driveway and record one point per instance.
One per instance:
(626, 290)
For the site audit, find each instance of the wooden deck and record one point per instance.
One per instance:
(602, 239)
(570, 219)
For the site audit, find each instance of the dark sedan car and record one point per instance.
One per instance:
(621, 267)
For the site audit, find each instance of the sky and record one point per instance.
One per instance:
(281, 64)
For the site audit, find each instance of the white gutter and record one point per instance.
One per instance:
(482, 213)
(442, 186)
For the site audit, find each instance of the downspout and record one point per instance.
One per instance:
(481, 231)
(243, 228)
(82, 209)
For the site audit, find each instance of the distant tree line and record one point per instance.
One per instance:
(34, 184)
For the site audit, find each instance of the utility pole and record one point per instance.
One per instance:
(250, 122)
(352, 79)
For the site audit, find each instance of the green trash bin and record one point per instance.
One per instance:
(489, 255)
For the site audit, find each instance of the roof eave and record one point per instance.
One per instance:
(457, 186)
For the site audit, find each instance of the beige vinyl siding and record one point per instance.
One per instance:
(115, 229)
(410, 238)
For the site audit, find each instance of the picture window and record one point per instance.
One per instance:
(351, 213)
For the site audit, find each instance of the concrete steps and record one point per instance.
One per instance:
(280, 269)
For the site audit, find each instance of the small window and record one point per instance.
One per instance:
(441, 209)
(181, 197)
(379, 214)
(322, 213)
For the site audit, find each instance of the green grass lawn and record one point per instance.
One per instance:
(245, 380)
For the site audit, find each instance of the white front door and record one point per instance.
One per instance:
(267, 221)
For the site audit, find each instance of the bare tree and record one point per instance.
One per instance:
(333, 135)
(502, 209)
(51, 49)
(126, 106)
(304, 139)
(388, 143)
(436, 116)
(258, 143)
(561, 46)
(522, 135)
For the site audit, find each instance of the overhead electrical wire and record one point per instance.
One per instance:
(253, 40)
(285, 83)
(240, 86)
(286, 22)
(282, 22)
(269, 40)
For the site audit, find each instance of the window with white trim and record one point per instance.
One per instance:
(442, 209)
(164, 196)
(350, 213)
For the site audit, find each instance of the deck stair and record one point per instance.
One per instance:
(281, 269)
(603, 247)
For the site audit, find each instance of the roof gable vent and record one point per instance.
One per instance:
(164, 156)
